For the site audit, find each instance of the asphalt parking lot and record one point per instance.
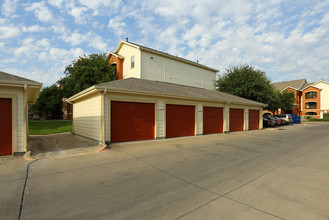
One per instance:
(280, 173)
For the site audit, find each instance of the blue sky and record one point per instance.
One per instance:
(287, 39)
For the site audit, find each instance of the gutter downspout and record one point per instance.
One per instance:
(227, 117)
(25, 120)
(102, 135)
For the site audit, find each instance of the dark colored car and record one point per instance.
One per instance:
(267, 122)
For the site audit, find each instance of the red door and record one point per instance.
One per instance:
(132, 121)
(253, 119)
(180, 120)
(212, 120)
(236, 119)
(5, 127)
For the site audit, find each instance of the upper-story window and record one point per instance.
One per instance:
(310, 95)
(132, 62)
(310, 105)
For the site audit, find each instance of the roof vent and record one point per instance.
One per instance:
(127, 39)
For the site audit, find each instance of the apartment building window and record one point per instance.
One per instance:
(310, 105)
(132, 62)
(310, 95)
(310, 113)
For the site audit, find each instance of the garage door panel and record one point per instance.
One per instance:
(5, 126)
(212, 120)
(253, 119)
(236, 119)
(132, 121)
(180, 120)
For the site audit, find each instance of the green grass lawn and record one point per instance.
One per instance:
(49, 126)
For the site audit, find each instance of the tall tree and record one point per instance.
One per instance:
(286, 100)
(250, 83)
(85, 72)
(49, 102)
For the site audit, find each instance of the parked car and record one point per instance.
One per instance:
(286, 117)
(36, 117)
(275, 120)
(280, 121)
(267, 122)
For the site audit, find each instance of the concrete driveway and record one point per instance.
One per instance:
(269, 174)
(60, 145)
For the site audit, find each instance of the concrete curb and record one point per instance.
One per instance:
(27, 156)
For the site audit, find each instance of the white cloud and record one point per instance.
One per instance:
(7, 32)
(31, 48)
(41, 11)
(101, 7)
(34, 28)
(117, 25)
(9, 8)
(75, 38)
(79, 14)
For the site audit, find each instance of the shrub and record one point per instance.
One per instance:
(326, 116)
(309, 117)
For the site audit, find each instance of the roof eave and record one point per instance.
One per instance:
(83, 93)
(102, 88)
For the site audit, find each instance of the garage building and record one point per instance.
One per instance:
(16, 93)
(139, 109)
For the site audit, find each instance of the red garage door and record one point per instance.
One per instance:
(180, 120)
(131, 121)
(253, 119)
(212, 120)
(5, 127)
(236, 119)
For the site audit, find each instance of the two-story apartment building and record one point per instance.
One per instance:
(312, 99)
(133, 60)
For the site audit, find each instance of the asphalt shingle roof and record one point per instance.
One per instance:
(9, 77)
(297, 84)
(165, 88)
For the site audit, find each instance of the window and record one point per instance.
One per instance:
(310, 105)
(132, 62)
(310, 95)
(310, 113)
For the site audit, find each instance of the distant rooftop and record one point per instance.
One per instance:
(296, 84)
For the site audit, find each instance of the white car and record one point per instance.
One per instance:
(286, 117)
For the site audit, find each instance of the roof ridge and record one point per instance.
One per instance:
(168, 54)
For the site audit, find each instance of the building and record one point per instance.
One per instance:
(133, 60)
(16, 93)
(312, 99)
(138, 109)
(157, 96)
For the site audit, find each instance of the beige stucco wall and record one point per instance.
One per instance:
(160, 68)
(324, 98)
(160, 111)
(18, 106)
(128, 51)
(87, 116)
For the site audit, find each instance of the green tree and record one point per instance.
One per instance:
(250, 83)
(85, 72)
(286, 100)
(49, 102)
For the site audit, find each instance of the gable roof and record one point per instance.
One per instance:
(32, 87)
(295, 84)
(165, 89)
(150, 50)
(9, 78)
